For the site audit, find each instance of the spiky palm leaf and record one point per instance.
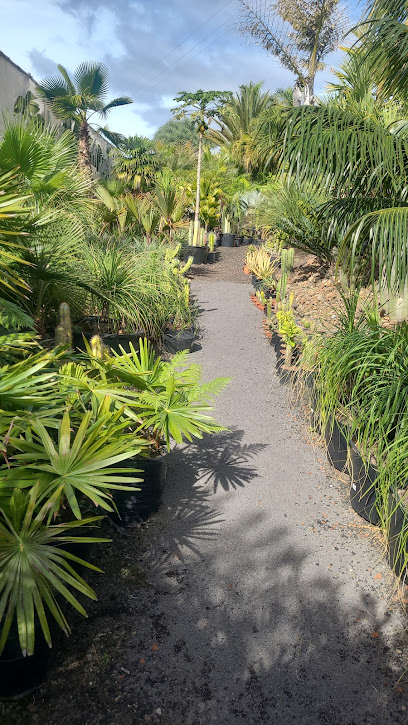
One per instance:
(35, 572)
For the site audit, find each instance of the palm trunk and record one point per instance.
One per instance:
(84, 153)
(197, 206)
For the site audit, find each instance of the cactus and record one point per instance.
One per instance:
(211, 241)
(226, 224)
(269, 309)
(287, 259)
(190, 233)
(281, 286)
(97, 347)
(63, 331)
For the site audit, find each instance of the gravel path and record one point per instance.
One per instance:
(267, 600)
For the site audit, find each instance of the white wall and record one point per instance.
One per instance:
(15, 82)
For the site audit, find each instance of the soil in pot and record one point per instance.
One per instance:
(20, 676)
(363, 492)
(337, 448)
(177, 340)
(228, 240)
(136, 506)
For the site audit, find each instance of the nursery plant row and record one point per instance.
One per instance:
(354, 381)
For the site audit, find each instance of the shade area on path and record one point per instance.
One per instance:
(256, 595)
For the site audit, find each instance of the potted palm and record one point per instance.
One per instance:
(170, 405)
(38, 575)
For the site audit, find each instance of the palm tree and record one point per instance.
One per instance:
(357, 150)
(136, 161)
(78, 100)
(201, 107)
(300, 34)
(237, 124)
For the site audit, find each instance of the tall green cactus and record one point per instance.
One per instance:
(287, 259)
(211, 241)
(63, 331)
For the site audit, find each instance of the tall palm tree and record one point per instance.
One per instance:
(79, 99)
(201, 107)
(237, 122)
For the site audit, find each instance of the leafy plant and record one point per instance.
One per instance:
(35, 572)
(77, 464)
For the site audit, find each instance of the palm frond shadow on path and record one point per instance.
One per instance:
(190, 516)
(219, 462)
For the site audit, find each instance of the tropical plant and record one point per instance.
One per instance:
(79, 99)
(238, 125)
(296, 211)
(173, 403)
(35, 572)
(201, 107)
(299, 33)
(77, 463)
(171, 202)
(136, 162)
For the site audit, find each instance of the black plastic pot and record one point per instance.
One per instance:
(257, 283)
(78, 339)
(337, 448)
(218, 240)
(197, 253)
(363, 492)
(239, 241)
(228, 240)
(397, 527)
(115, 342)
(211, 257)
(177, 340)
(20, 676)
(247, 240)
(136, 506)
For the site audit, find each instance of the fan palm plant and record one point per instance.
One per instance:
(35, 572)
(172, 402)
(79, 99)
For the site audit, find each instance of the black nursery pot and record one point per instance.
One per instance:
(228, 240)
(256, 282)
(397, 535)
(197, 253)
(337, 448)
(136, 506)
(363, 492)
(20, 676)
(177, 340)
(247, 240)
(211, 257)
(239, 241)
(115, 342)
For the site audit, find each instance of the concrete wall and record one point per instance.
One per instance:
(15, 82)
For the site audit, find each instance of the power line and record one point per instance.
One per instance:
(170, 71)
(204, 39)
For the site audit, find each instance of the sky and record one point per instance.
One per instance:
(152, 48)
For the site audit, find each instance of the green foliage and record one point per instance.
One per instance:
(177, 133)
(35, 572)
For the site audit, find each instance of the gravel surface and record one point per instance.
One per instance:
(256, 595)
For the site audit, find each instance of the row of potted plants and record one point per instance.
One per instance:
(354, 380)
(83, 435)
